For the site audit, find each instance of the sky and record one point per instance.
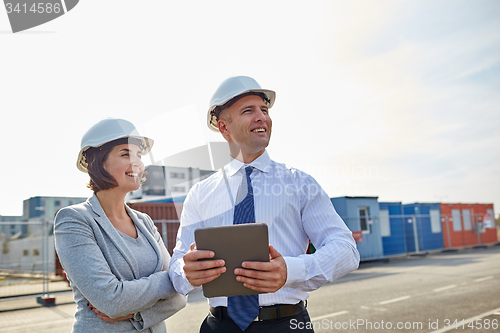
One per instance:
(394, 99)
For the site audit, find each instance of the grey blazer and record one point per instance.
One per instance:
(104, 272)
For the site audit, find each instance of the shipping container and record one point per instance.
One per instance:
(166, 215)
(361, 215)
(453, 230)
(392, 228)
(484, 217)
(423, 227)
(468, 224)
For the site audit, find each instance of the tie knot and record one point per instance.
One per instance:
(248, 170)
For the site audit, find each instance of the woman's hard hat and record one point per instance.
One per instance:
(108, 130)
(230, 88)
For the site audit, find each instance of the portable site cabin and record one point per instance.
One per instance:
(361, 215)
(468, 224)
(423, 227)
(392, 228)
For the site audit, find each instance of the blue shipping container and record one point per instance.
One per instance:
(362, 214)
(392, 228)
(423, 227)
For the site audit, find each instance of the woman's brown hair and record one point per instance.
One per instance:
(100, 179)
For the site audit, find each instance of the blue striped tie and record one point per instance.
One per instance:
(244, 309)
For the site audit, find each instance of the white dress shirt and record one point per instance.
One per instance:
(296, 210)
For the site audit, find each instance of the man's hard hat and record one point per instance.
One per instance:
(108, 130)
(230, 88)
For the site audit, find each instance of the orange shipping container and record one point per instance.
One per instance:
(484, 215)
(464, 224)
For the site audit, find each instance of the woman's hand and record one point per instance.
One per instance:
(105, 317)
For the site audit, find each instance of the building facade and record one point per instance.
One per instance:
(10, 227)
(168, 182)
(43, 209)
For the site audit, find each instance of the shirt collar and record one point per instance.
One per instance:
(261, 163)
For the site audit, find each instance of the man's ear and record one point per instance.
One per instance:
(222, 124)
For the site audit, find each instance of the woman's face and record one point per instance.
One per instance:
(125, 166)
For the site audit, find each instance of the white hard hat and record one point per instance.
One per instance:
(230, 88)
(108, 130)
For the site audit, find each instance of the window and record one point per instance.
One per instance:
(491, 224)
(177, 175)
(467, 221)
(154, 190)
(364, 216)
(457, 222)
(36, 252)
(5, 248)
(26, 252)
(385, 225)
(178, 189)
(435, 221)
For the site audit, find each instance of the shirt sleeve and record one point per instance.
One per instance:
(190, 219)
(87, 268)
(336, 253)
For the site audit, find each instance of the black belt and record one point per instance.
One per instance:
(277, 311)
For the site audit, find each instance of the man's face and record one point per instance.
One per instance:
(247, 124)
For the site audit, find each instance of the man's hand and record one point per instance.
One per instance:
(267, 277)
(107, 318)
(200, 272)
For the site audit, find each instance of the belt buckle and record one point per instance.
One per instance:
(257, 318)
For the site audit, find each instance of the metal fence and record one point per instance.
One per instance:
(168, 231)
(29, 266)
(28, 261)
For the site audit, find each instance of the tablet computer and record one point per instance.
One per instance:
(235, 244)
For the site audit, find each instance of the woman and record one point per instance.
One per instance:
(113, 255)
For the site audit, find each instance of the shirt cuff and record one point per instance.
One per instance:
(188, 288)
(295, 271)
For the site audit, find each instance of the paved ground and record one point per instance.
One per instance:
(443, 292)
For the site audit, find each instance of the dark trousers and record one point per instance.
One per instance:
(299, 323)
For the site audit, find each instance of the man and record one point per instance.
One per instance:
(290, 202)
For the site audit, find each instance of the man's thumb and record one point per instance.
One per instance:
(273, 253)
